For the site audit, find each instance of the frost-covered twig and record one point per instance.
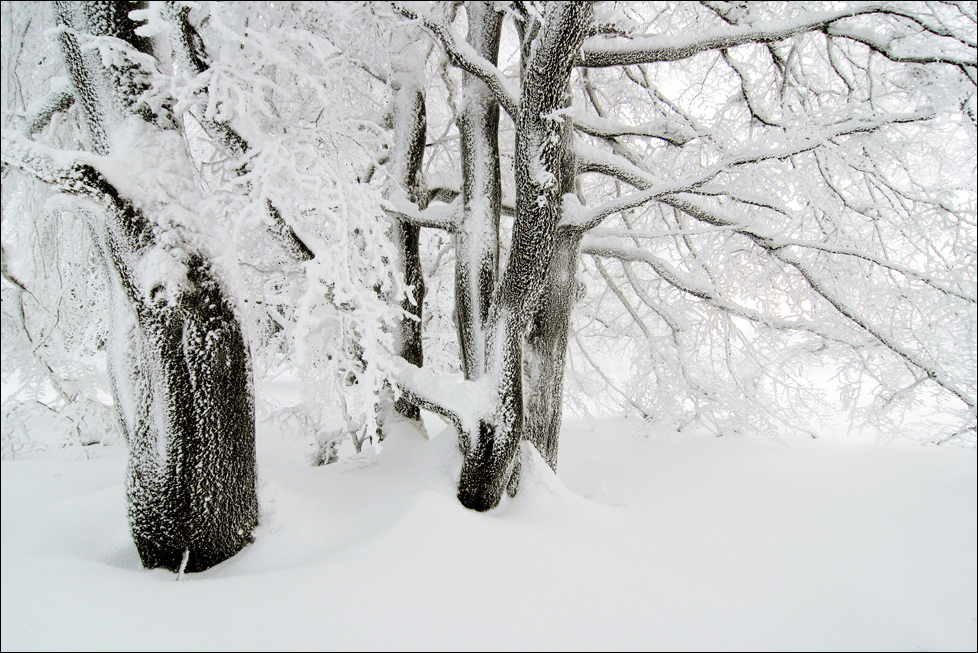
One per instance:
(931, 369)
(188, 51)
(653, 188)
(701, 288)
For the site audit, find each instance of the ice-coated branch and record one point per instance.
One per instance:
(599, 52)
(462, 55)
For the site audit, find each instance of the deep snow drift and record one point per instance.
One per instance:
(647, 541)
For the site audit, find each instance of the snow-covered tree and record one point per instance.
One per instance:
(757, 186)
(744, 216)
(178, 363)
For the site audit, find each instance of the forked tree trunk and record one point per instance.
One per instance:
(490, 462)
(181, 369)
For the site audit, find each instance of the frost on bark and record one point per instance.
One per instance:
(409, 125)
(192, 479)
(490, 463)
(545, 350)
(477, 235)
(181, 371)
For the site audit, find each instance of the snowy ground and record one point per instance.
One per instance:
(647, 541)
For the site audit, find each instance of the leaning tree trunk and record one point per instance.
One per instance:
(182, 374)
(490, 462)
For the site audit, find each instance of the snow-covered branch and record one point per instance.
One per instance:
(601, 52)
(461, 402)
(884, 46)
(671, 131)
(58, 100)
(702, 288)
(188, 52)
(591, 160)
(63, 170)
(778, 242)
(435, 216)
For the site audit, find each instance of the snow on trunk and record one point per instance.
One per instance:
(545, 349)
(409, 125)
(477, 236)
(490, 462)
(180, 366)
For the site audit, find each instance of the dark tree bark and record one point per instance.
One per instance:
(545, 348)
(409, 125)
(545, 351)
(182, 376)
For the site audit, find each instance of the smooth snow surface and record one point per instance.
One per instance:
(647, 541)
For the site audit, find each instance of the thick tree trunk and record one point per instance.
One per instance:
(490, 463)
(181, 369)
(477, 236)
(189, 419)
